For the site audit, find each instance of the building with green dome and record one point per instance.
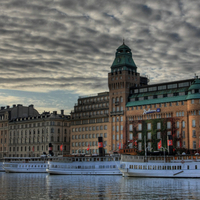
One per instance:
(135, 115)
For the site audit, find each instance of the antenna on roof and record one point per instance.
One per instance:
(195, 76)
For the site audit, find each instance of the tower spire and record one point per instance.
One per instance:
(123, 41)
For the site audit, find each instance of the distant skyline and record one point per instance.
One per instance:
(53, 51)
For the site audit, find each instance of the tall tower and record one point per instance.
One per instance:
(123, 75)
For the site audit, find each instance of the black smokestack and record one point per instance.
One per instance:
(50, 149)
(100, 145)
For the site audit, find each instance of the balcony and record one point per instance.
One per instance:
(117, 113)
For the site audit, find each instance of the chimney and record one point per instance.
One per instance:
(2, 107)
(62, 112)
(7, 107)
(14, 105)
(55, 112)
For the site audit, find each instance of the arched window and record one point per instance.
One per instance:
(52, 130)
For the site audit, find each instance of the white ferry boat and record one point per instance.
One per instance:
(25, 165)
(187, 166)
(107, 165)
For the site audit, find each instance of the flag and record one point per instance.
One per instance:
(169, 142)
(33, 148)
(159, 144)
(61, 147)
(120, 145)
(135, 142)
(199, 143)
(88, 147)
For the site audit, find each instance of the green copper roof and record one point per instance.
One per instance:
(195, 85)
(155, 101)
(123, 59)
(193, 96)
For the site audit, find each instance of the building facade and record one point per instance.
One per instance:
(155, 112)
(25, 132)
(90, 120)
(137, 115)
(30, 136)
(6, 115)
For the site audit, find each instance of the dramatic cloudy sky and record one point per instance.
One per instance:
(52, 51)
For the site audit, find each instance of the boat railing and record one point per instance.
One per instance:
(155, 159)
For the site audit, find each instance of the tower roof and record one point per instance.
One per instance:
(123, 59)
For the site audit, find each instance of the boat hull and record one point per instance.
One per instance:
(26, 170)
(82, 172)
(161, 173)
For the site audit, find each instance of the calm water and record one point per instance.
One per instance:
(43, 186)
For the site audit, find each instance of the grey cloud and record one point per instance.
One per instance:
(64, 44)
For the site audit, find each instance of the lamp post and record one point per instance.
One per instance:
(164, 152)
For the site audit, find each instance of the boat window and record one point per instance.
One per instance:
(135, 166)
(35, 165)
(149, 167)
(19, 165)
(26, 166)
(116, 159)
(94, 159)
(109, 159)
(188, 167)
(169, 167)
(111, 166)
(103, 166)
(100, 166)
(44, 165)
(154, 167)
(107, 166)
(114, 166)
(195, 166)
(140, 166)
(93, 166)
(144, 167)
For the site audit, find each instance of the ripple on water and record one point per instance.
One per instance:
(43, 186)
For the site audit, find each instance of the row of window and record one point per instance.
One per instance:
(91, 128)
(33, 148)
(52, 123)
(96, 99)
(89, 136)
(158, 126)
(156, 167)
(85, 144)
(85, 151)
(150, 116)
(87, 114)
(84, 167)
(18, 133)
(89, 107)
(161, 87)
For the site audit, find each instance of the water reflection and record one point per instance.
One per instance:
(43, 186)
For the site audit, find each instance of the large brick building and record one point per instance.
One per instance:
(133, 113)
(24, 132)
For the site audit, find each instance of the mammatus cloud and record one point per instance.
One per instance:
(70, 45)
